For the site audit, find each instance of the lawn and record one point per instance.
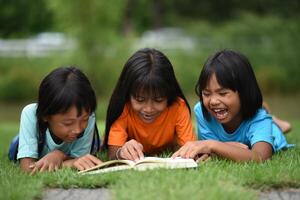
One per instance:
(215, 179)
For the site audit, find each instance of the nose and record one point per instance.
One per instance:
(77, 128)
(148, 107)
(214, 100)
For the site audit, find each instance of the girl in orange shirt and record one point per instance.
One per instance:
(147, 112)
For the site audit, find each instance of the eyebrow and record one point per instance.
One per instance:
(218, 90)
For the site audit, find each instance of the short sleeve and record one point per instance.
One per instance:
(118, 135)
(28, 144)
(261, 131)
(203, 130)
(82, 146)
(184, 127)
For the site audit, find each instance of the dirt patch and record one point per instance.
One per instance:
(70, 194)
(284, 194)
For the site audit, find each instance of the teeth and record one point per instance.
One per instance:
(220, 113)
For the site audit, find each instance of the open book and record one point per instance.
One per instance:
(143, 164)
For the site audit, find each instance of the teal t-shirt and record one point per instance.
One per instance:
(28, 141)
(260, 128)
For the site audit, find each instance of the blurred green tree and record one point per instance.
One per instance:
(20, 18)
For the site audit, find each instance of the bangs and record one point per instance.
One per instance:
(224, 75)
(70, 96)
(150, 86)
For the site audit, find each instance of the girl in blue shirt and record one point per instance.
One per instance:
(59, 130)
(231, 122)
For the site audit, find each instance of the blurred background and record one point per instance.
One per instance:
(98, 36)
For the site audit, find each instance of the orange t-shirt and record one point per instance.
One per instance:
(173, 125)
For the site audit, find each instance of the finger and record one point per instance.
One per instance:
(184, 152)
(35, 169)
(202, 158)
(133, 153)
(50, 167)
(78, 166)
(38, 165)
(140, 151)
(87, 162)
(125, 153)
(193, 152)
(94, 159)
(44, 167)
(176, 154)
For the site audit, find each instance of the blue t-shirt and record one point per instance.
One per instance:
(259, 128)
(28, 141)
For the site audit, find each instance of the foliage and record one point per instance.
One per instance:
(20, 18)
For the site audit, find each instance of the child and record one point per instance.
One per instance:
(58, 130)
(147, 112)
(230, 118)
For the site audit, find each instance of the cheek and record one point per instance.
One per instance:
(205, 102)
(161, 107)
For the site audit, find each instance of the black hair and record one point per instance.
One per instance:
(233, 71)
(58, 91)
(147, 70)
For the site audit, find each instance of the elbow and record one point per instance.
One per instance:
(260, 158)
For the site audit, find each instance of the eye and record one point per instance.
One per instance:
(139, 99)
(67, 123)
(223, 93)
(205, 93)
(159, 99)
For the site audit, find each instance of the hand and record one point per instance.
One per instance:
(132, 150)
(193, 149)
(238, 144)
(50, 162)
(86, 162)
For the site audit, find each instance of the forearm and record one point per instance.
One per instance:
(233, 152)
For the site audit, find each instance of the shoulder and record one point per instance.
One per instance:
(30, 107)
(126, 111)
(261, 115)
(29, 110)
(179, 105)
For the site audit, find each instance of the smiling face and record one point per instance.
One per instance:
(223, 104)
(148, 108)
(68, 125)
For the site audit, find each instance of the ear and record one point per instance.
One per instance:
(45, 119)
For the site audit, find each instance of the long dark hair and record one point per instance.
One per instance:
(146, 70)
(233, 71)
(58, 91)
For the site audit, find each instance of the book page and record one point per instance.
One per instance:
(109, 169)
(141, 165)
(107, 164)
(169, 163)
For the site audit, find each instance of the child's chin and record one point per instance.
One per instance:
(69, 140)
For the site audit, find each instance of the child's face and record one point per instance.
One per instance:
(67, 126)
(148, 108)
(223, 103)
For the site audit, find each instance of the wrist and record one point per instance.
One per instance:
(211, 144)
(118, 152)
(61, 154)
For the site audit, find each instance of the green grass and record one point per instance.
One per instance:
(215, 179)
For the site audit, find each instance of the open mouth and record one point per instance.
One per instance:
(220, 113)
(148, 118)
